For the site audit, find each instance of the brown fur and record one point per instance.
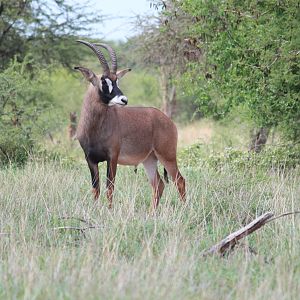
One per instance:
(127, 136)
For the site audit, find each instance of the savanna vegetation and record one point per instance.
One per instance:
(227, 72)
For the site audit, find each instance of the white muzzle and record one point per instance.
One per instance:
(119, 100)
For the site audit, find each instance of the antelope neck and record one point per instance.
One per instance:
(103, 114)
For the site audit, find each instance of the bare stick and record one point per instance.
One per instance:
(82, 230)
(72, 228)
(76, 218)
(283, 215)
(231, 240)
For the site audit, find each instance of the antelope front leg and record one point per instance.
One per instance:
(110, 183)
(95, 177)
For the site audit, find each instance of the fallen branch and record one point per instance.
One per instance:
(80, 229)
(231, 240)
(77, 219)
(73, 228)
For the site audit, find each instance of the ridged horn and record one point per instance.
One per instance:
(99, 54)
(112, 54)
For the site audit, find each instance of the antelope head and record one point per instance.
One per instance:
(107, 83)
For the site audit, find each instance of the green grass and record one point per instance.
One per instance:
(133, 254)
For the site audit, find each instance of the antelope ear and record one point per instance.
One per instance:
(121, 73)
(89, 75)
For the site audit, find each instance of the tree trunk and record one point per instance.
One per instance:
(172, 101)
(168, 94)
(259, 139)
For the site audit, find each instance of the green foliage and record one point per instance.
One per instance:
(22, 100)
(251, 60)
(68, 88)
(141, 88)
(272, 157)
(60, 155)
(46, 29)
(15, 146)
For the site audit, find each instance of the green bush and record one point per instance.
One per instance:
(23, 97)
(280, 157)
(15, 145)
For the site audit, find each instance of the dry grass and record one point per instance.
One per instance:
(135, 255)
(216, 135)
(200, 131)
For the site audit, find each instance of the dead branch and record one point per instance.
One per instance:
(283, 215)
(77, 219)
(231, 240)
(70, 227)
(80, 229)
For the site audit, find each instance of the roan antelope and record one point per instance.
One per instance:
(110, 131)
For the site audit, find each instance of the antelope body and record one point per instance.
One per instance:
(110, 131)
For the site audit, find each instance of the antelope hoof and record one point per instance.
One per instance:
(96, 193)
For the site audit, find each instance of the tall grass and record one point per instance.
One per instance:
(133, 254)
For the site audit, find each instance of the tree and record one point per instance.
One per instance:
(22, 100)
(162, 44)
(252, 56)
(46, 29)
(35, 36)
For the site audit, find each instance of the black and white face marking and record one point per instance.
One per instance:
(109, 84)
(111, 94)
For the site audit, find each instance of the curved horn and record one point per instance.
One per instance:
(99, 54)
(113, 56)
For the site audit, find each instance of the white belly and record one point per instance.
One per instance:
(132, 160)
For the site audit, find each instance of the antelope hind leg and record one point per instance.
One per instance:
(157, 184)
(173, 171)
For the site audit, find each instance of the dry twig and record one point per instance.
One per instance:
(231, 240)
(77, 219)
(81, 229)
(283, 215)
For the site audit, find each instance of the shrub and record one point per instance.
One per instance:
(23, 96)
(280, 156)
